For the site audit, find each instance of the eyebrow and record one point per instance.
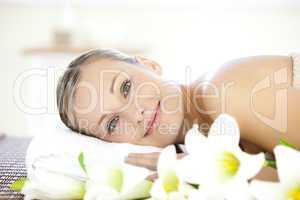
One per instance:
(113, 83)
(101, 119)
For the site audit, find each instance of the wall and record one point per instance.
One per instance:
(177, 36)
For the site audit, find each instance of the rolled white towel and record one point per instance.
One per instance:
(58, 152)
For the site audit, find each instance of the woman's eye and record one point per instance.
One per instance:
(112, 124)
(125, 88)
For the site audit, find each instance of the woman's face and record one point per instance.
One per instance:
(120, 102)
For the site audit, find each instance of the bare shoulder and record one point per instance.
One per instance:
(237, 78)
(253, 67)
(232, 89)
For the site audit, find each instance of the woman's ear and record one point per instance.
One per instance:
(150, 64)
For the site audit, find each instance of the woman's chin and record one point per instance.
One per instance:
(160, 139)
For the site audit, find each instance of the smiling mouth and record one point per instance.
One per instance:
(153, 121)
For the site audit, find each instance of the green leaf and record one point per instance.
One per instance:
(270, 163)
(81, 161)
(287, 144)
(18, 184)
(196, 186)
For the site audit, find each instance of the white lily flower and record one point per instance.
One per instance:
(216, 162)
(117, 182)
(168, 186)
(288, 167)
(45, 185)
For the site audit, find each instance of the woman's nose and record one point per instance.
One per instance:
(140, 116)
(135, 115)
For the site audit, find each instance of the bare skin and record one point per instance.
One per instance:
(240, 77)
(255, 90)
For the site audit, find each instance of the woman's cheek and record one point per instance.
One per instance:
(125, 130)
(170, 123)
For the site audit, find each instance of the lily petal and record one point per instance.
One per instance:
(197, 195)
(140, 191)
(175, 196)
(263, 190)
(167, 160)
(129, 171)
(250, 165)
(194, 140)
(239, 191)
(48, 185)
(224, 131)
(157, 191)
(288, 163)
(187, 189)
(99, 192)
(192, 170)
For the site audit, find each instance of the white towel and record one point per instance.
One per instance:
(58, 152)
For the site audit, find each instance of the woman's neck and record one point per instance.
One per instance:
(191, 115)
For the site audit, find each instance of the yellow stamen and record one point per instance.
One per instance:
(229, 164)
(170, 182)
(115, 179)
(294, 193)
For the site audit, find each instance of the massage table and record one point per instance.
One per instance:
(12, 164)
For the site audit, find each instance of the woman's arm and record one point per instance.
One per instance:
(257, 92)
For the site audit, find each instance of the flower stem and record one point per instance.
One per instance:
(270, 163)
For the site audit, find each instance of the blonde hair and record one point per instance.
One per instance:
(67, 84)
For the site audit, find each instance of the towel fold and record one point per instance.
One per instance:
(58, 152)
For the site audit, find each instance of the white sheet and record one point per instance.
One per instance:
(58, 151)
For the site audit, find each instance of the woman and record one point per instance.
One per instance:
(118, 98)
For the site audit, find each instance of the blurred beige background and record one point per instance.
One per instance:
(199, 34)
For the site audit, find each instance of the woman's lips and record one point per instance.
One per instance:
(154, 121)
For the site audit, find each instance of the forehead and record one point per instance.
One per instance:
(103, 66)
(100, 74)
